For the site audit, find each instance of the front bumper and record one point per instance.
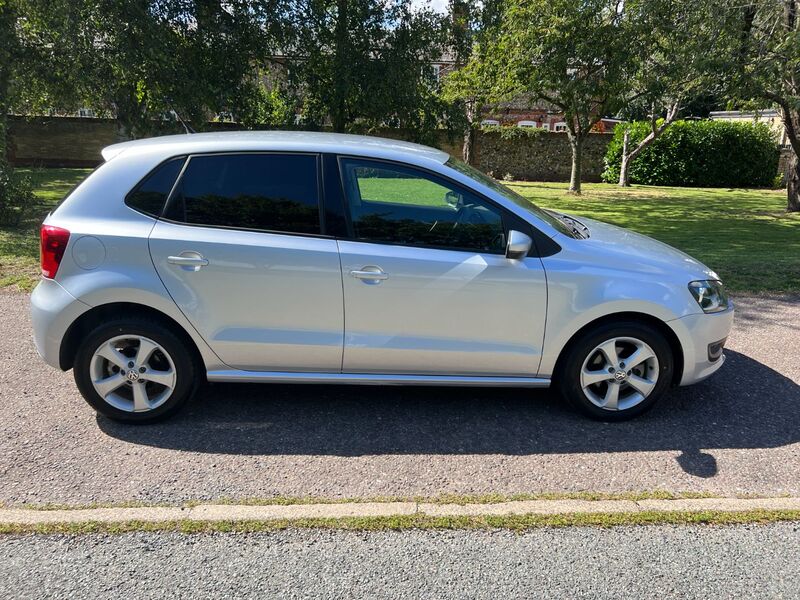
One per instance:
(696, 334)
(53, 310)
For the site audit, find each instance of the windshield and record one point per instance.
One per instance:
(509, 194)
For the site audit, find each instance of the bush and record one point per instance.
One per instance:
(17, 200)
(698, 153)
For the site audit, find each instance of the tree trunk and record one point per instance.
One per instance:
(624, 177)
(469, 135)
(629, 155)
(793, 184)
(576, 142)
(469, 143)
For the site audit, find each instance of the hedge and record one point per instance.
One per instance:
(698, 153)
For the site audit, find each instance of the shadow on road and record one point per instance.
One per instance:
(746, 405)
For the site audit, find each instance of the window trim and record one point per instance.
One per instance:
(507, 217)
(320, 194)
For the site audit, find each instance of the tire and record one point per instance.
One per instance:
(166, 380)
(584, 380)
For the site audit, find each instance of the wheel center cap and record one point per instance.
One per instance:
(620, 376)
(132, 375)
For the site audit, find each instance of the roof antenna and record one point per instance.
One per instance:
(186, 126)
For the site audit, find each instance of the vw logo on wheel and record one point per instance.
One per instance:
(620, 376)
(132, 375)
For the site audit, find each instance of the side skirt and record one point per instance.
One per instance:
(375, 379)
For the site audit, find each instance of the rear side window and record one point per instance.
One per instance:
(266, 192)
(151, 194)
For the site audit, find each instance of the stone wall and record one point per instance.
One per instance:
(60, 141)
(542, 157)
(77, 142)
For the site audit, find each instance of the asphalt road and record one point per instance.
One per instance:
(645, 562)
(739, 432)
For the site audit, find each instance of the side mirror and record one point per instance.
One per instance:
(452, 199)
(519, 244)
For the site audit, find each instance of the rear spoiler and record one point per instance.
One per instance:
(113, 150)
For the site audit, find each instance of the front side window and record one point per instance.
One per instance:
(401, 205)
(266, 192)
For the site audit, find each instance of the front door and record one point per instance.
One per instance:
(427, 286)
(239, 251)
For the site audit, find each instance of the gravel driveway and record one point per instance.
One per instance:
(736, 433)
(643, 562)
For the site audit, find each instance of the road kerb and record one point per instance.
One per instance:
(240, 513)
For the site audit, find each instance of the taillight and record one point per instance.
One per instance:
(54, 242)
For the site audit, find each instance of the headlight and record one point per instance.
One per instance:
(710, 295)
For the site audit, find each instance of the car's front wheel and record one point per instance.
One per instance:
(616, 371)
(135, 370)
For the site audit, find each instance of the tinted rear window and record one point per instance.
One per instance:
(151, 194)
(268, 192)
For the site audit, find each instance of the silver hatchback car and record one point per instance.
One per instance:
(325, 258)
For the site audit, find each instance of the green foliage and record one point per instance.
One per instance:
(514, 133)
(366, 64)
(17, 200)
(698, 153)
(139, 60)
(258, 107)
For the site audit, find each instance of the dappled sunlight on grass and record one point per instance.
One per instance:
(744, 235)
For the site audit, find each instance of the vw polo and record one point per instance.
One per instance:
(326, 258)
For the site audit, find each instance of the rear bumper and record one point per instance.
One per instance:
(53, 310)
(696, 334)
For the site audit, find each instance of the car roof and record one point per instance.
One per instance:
(296, 141)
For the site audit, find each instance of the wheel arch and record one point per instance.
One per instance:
(104, 312)
(661, 326)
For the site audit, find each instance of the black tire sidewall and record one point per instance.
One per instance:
(568, 374)
(185, 369)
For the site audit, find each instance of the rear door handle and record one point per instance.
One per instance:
(191, 261)
(370, 274)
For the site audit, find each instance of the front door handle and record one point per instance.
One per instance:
(190, 261)
(370, 274)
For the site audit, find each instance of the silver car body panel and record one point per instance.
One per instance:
(442, 311)
(263, 301)
(285, 307)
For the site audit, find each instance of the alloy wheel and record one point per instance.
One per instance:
(133, 373)
(619, 373)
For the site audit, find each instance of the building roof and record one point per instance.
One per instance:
(296, 141)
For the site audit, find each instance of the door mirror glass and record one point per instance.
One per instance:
(519, 244)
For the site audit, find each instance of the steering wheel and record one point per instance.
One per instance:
(466, 214)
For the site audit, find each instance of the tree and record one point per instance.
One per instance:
(9, 51)
(766, 34)
(471, 23)
(143, 59)
(674, 46)
(366, 63)
(573, 54)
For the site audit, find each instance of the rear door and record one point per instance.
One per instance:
(240, 250)
(427, 286)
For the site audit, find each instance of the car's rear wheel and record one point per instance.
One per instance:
(616, 371)
(135, 371)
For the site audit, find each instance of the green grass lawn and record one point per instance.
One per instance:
(745, 235)
(19, 246)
